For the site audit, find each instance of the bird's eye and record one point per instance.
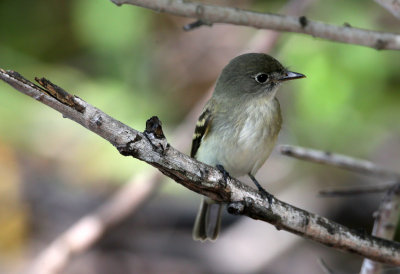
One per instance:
(261, 78)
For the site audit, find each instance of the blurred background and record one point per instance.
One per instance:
(133, 63)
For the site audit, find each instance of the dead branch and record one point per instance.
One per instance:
(152, 148)
(210, 14)
(338, 160)
(359, 190)
(386, 220)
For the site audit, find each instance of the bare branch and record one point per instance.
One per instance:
(338, 160)
(350, 191)
(386, 220)
(209, 181)
(218, 14)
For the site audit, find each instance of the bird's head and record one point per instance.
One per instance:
(253, 74)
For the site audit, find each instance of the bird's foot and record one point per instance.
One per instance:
(224, 172)
(265, 193)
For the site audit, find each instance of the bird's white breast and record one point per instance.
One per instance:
(243, 145)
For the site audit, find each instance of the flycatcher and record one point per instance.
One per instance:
(238, 127)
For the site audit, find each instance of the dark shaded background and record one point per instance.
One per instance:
(133, 63)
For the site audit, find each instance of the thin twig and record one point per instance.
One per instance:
(218, 14)
(351, 191)
(338, 160)
(386, 220)
(209, 181)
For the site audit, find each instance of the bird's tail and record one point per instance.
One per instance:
(208, 221)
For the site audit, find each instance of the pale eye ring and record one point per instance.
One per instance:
(261, 78)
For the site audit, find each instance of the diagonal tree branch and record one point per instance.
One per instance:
(217, 14)
(153, 148)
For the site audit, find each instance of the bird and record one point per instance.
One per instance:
(238, 127)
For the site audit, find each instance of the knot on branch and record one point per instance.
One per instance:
(97, 120)
(129, 149)
(380, 44)
(154, 127)
(303, 21)
(235, 208)
(155, 134)
(240, 208)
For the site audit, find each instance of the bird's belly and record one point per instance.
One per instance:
(252, 148)
(242, 145)
(245, 160)
(242, 150)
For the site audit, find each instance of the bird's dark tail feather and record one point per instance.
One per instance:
(208, 221)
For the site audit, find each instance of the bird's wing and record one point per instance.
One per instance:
(203, 126)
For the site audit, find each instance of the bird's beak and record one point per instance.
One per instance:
(290, 75)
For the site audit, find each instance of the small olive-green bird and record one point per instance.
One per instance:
(238, 127)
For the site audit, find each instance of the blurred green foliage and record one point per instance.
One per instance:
(348, 98)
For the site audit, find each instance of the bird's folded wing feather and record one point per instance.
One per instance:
(203, 126)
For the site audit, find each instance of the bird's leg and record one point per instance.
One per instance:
(261, 189)
(224, 172)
